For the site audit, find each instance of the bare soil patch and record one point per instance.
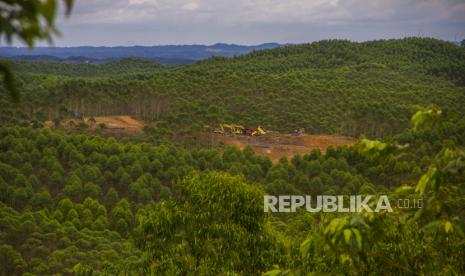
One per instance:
(111, 125)
(275, 146)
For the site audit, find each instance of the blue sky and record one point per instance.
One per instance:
(160, 22)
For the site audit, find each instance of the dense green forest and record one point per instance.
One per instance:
(333, 87)
(76, 204)
(118, 67)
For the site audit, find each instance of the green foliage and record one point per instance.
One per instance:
(8, 81)
(36, 19)
(215, 226)
(29, 21)
(186, 214)
(127, 66)
(331, 87)
(426, 118)
(87, 205)
(429, 239)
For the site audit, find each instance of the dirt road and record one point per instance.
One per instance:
(275, 146)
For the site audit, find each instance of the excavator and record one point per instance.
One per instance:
(259, 131)
(230, 128)
(239, 130)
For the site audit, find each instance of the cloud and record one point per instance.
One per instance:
(248, 21)
(191, 6)
(143, 2)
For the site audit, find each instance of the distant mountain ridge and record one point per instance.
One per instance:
(84, 60)
(164, 54)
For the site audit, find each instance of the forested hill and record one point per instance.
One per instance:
(422, 55)
(117, 67)
(76, 204)
(335, 86)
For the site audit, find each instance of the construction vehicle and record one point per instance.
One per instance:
(255, 132)
(239, 130)
(78, 115)
(230, 128)
(298, 131)
(259, 131)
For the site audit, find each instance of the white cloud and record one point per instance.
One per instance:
(191, 6)
(143, 2)
(269, 11)
(261, 20)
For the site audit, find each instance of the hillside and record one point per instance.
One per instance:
(116, 67)
(327, 87)
(119, 169)
(272, 145)
(74, 204)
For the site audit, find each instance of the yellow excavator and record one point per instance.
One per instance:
(239, 130)
(259, 131)
(230, 128)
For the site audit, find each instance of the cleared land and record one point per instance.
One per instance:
(111, 125)
(125, 124)
(276, 146)
(273, 145)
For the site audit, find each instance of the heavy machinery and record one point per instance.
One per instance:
(78, 115)
(230, 128)
(298, 131)
(259, 131)
(239, 130)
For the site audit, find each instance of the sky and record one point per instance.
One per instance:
(250, 22)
